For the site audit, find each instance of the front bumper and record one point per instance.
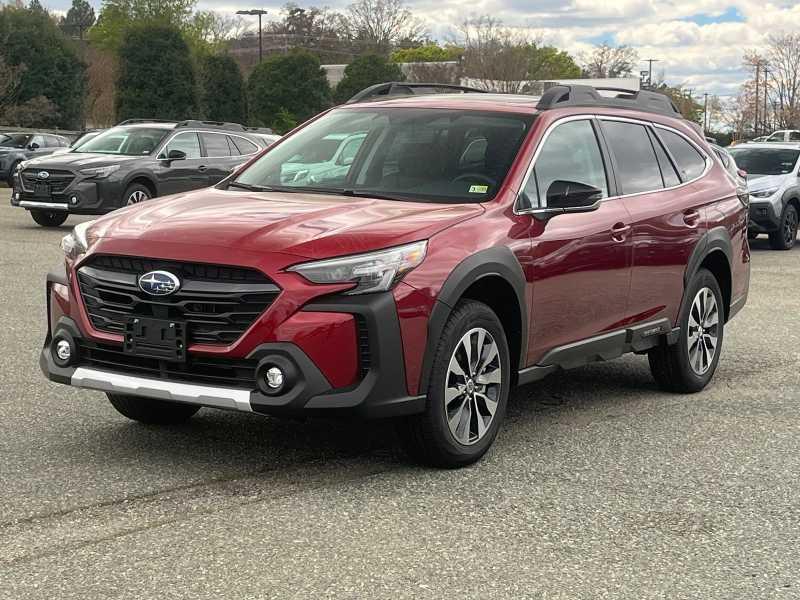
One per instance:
(81, 197)
(764, 217)
(380, 392)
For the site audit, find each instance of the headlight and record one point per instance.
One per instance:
(373, 272)
(20, 166)
(100, 172)
(74, 244)
(764, 193)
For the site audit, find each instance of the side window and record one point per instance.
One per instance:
(38, 140)
(776, 137)
(187, 143)
(689, 161)
(668, 172)
(636, 165)
(570, 153)
(794, 136)
(244, 146)
(216, 145)
(348, 153)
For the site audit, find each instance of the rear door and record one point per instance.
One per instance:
(581, 261)
(655, 169)
(219, 162)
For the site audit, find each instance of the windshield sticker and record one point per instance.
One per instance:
(478, 189)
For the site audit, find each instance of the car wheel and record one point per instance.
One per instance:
(786, 236)
(688, 365)
(48, 218)
(136, 193)
(150, 411)
(467, 393)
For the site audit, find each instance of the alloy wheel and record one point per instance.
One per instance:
(790, 227)
(136, 197)
(473, 385)
(703, 334)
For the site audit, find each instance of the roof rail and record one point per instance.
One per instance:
(402, 88)
(560, 96)
(136, 121)
(211, 125)
(265, 130)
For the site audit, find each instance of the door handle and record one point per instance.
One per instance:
(202, 168)
(691, 217)
(619, 232)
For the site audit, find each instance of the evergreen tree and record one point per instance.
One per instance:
(222, 94)
(365, 71)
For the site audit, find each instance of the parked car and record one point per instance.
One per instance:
(738, 176)
(785, 135)
(773, 179)
(133, 162)
(476, 242)
(18, 147)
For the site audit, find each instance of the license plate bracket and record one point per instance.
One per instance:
(155, 338)
(41, 190)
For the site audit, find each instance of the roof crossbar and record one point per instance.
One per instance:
(562, 96)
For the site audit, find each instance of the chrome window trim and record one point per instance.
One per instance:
(160, 156)
(708, 160)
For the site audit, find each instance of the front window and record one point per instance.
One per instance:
(125, 141)
(19, 140)
(765, 161)
(396, 153)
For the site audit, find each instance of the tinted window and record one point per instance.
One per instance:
(216, 144)
(570, 153)
(19, 140)
(408, 154)
(188, 143)
(765, 161)
(776, 137)
(636, 165)
(794, 136)
(244, 146)
(668, 172)
(689, 161)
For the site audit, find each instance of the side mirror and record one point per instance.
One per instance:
(176, 155)
(33, 146)
(572, 196)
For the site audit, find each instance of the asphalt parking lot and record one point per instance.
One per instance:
(598, 486)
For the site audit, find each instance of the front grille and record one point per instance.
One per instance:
(217, 303)
(237, 373)
(57, 180)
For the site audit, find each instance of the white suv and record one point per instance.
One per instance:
(785, 135)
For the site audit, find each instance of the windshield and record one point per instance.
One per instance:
(19, 140)
(397, 153)
(765, 161)
(85, 138)
(125, 141)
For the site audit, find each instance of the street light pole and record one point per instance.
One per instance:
(256, 12)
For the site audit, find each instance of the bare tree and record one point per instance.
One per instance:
(496, 58)
(101, 77)
(783, 56)
(10, 78)
(607, 61)
(383, 23)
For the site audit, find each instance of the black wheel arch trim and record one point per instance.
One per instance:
(131, 178)
(716, 239)
(497, 261)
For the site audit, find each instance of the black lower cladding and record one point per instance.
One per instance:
(217, 303)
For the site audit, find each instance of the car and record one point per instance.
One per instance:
(739, 176)
(329, 159)
(137, 160)
(784, 135)
(20, 146)
(477, 242)
(773, 180)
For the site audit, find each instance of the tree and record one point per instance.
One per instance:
(156, 77)
(381, 23)
(222, 94)
(783, 57)
(36, 6)
(51, 71)
(294, 83)
(363, 72)
(607, 61)
(80, 17)
(547, 63)
(428, 53)
(116, 16)
(101, 86)
(689, 107)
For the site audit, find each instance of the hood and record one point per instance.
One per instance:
(757, 183)
(79, 160)
(305, 225)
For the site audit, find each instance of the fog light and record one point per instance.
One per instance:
(73, 200)
(63, 350)
(274, 377)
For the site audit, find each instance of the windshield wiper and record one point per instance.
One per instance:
(249, 187)
(375, 194)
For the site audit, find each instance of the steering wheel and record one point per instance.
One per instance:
(474, 176)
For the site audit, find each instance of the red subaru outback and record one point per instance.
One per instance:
(413, 258)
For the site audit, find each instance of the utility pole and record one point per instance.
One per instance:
(766, 106)
(253, 12)
(755, 120)
(705, 112)
(650, 62)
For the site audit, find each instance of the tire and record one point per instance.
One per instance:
(428, 437)
(786, 236)
(150, 411)
(686, 369)
(49, 218)
(10, 178)
(136, 193)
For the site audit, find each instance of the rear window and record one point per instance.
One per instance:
(243, 146)
(437, 155)
(689, 161)
(636, 165)
(216, 145)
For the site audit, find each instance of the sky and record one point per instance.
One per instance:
(698, 43)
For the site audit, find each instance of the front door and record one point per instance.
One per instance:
(176, 176)
(581, 262)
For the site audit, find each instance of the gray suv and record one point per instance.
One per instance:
(18, 147)
(773, 179)
(130, 163)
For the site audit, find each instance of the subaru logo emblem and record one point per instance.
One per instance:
(43, 175)
(159, 283)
